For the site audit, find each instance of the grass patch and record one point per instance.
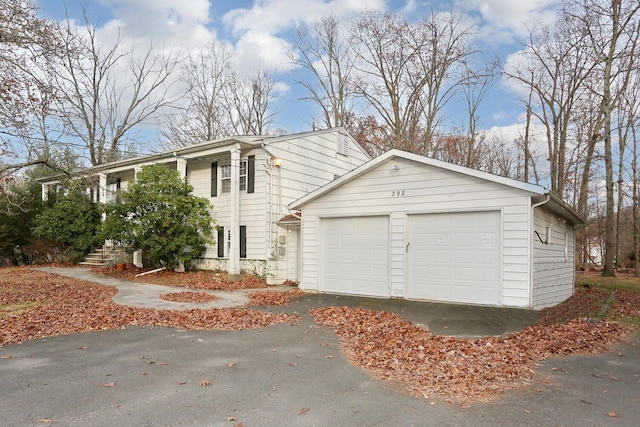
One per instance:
(9, 309)
(621, 282)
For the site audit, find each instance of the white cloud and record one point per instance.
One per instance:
(262, 29)
(162, 21)
(504, 20)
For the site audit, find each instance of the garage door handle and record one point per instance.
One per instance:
(407, 248)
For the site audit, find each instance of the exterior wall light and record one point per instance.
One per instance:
(277, 162)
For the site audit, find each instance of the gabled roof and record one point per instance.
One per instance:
(536, 191)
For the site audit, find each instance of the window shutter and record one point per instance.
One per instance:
(251, 174)
(243, 241)
(214, 179)
(221, 242)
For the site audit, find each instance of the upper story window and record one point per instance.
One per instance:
(225, 177)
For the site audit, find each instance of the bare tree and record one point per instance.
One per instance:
(322, 51)
(474, 86)
(108, 91)
(441, 41)
(248, 101)
(385, 62)
(555, 64)
(610, 27)
(27, 43)
(205, 75)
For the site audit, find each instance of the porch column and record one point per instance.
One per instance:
(102, 188)
(182, 167)
(234, 226)
(45, 192)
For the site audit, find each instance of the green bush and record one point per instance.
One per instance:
(160, 215)
(71, 222)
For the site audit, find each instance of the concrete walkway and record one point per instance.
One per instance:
(146, 295)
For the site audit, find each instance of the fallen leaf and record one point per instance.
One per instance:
(614, 378)
(182, 383)
(205, 382)
(612, 414)
(238, 425)
(231, 365)
(328, 356)
(304, 411)
(109, 385)
(231, 419)
(44, 420)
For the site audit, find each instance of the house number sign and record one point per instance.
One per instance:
(397, 193)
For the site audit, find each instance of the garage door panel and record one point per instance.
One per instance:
(355, 255)
(454, 257)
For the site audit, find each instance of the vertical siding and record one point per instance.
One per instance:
(553, 269)
(418, 188)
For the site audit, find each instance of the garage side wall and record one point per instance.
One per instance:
(553, 268)
(399, 188)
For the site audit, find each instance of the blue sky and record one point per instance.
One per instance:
(259, 31)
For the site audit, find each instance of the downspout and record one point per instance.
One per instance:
(270, 205)
(531, 218)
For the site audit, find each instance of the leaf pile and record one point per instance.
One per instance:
(457, 370)
(188, 296)
(627, 303)
(201, 279)
(585, 302)
(58, 305)
(272, 298)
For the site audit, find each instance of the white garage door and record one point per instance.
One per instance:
(355, 255)
(454, 257)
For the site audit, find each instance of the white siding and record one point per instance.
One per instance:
(417, 188)
(309, 160)
(553, 262)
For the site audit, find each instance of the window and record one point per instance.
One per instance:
(221, 242)
(225, 177)
(214, 179)
(243, 175)
(243, 241)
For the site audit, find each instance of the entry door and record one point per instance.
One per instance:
(455, 257)
(355, 255)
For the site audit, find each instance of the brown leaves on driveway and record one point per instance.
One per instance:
(188, 296)
(456, 370)
(36, 305)
(273, 298)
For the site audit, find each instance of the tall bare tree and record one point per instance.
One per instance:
(27, 43)
(442, 43)
(205, 75)
(610, 25)
(555, 63)
(248, 101)
(109, 90)
(386, 60)
(322, 51)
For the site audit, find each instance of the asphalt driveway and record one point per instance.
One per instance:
(278, 376)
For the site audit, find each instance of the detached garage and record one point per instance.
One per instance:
(407, 226)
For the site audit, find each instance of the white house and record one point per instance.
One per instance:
(404, 225)
(250, 180)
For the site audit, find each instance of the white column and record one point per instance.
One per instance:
(103, 187)
(45, 192)
(182, 167)
(234, 244)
